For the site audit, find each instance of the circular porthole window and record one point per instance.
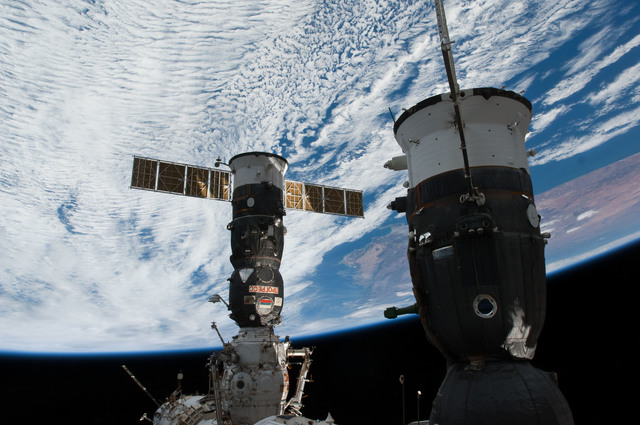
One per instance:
(485, 306)
(265, 274)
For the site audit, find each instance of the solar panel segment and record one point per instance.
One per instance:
(181, 179)
(323, 199)
(210, 183)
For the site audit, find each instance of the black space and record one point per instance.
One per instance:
(587, 340)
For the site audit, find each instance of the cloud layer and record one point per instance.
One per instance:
(90, 265)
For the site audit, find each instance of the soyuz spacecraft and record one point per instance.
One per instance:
(249, 379)
(476, 254)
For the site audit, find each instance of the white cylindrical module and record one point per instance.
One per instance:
(258, 167)
(495, 125)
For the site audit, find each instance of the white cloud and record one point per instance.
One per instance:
(586, 214)
(620, 87)
(541, 121)
(90, 265)
(573, 83)
(600, 134)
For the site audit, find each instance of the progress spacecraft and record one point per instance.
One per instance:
(476, 254)
(249, 379)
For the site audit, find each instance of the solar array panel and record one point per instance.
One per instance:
(323, 199)
(200, 182)
(181, 179)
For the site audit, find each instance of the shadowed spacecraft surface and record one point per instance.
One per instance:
(249, 378)
(476, 254)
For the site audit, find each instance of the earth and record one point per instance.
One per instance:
(89, 265)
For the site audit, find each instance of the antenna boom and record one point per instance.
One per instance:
(142, 387)
(447, 55)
